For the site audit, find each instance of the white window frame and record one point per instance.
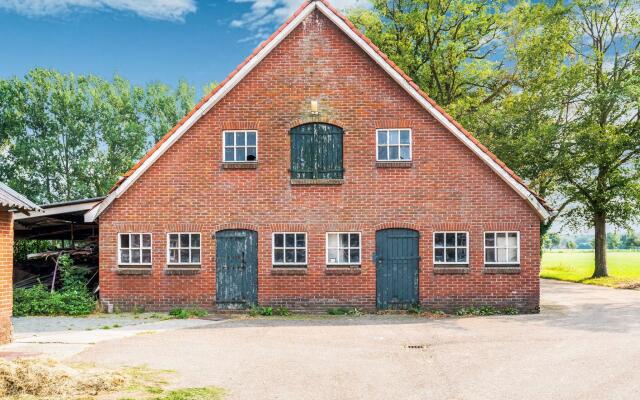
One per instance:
(284, 247)
(224, 146)
(495, 247)
(395, 129)
(181, 248)
(456, 247)
(128, 264)
(327, 248)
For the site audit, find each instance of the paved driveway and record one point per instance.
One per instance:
(584, 345)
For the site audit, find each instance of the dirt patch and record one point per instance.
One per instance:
(24, 378)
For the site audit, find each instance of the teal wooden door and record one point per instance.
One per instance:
(397, 261)
(236, 268)
(316, 152)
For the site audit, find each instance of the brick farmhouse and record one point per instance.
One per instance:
(319, 175)
(10, 202)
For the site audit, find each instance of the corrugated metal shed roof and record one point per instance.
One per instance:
(11, 199)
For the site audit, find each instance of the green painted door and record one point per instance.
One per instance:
(236, 268)
(397, 261)
(316, 152)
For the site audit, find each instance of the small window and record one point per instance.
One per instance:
(240, 146)
(343, 249)
(183, 249)
(134, 249)
(502, 248)
(393, 145)
(451, 248)
(289, 248)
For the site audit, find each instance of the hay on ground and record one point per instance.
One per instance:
(43, 378)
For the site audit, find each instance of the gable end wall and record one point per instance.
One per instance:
(446, 188)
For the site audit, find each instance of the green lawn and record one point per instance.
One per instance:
(577, 266)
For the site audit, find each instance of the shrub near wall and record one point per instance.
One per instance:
(72, 299)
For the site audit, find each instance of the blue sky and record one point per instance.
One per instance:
(142, 40)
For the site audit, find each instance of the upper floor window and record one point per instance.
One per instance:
(183, 248)
(502, 247)
(240, 146)
(451, 248)
(134, 249)
(289, 248)
(316, 152)
(393, 144)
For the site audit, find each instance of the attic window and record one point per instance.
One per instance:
(393, 145)
(240, 146)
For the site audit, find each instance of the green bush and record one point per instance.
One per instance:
(259, 310)
(72, 299)
(282, 311)
(181, 313)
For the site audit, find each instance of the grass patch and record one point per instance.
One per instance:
(578, 266)
(354, 312)
(485, 310)
(204, 393)
(182, 313)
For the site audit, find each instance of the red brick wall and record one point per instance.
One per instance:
(6, 271)
(447, 186)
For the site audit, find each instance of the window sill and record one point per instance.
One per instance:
(284, 270)
(182, 270)
(443, 269)
(394, 164)
(299, 182)
(133, 270)
(343, 270)
(501, 269)
(240, 165)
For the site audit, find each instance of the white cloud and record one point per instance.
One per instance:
(264, 14)
(168, 10)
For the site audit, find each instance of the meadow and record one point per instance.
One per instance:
(578, 266)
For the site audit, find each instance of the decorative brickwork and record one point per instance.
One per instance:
(446, 186)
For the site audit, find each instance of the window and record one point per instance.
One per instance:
(451, 248)
(289, 248)
(343, 248)
(134, 248)
(316, 152)
(183, 248)
(240, 146)
(393, 145)
(502, 248)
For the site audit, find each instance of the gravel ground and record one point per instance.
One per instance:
(26, 326)
(585, 344)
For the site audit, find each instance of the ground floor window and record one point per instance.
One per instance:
(134, 249)
(343, 248)
(289, 248)
(183, 248)
(502, 247)
(451, 248)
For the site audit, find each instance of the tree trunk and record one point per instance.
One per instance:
(600, 223)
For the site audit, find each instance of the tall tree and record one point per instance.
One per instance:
(598, 146)
(64, 136)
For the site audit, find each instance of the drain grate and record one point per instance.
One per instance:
(416, 346)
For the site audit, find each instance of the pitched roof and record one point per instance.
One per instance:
(510, 177)
(11, 199)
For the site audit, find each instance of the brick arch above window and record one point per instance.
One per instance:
(235, 225)
(398, 225)
(317, 120)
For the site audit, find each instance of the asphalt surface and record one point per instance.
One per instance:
(585, 344)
